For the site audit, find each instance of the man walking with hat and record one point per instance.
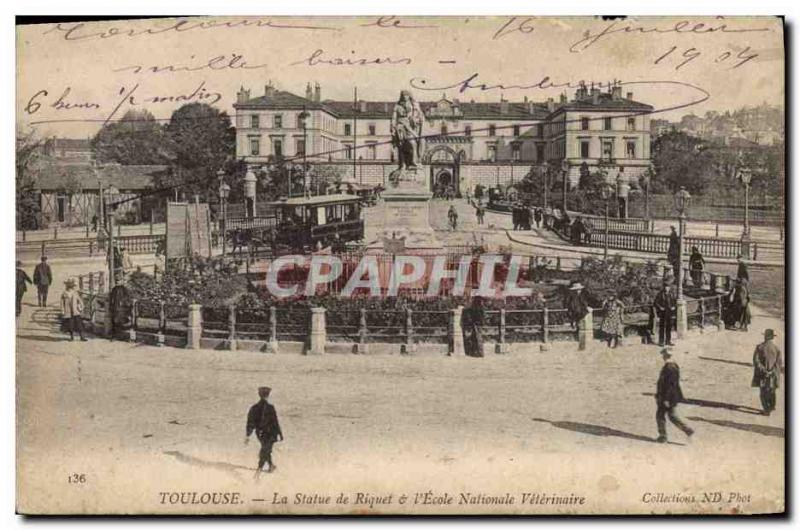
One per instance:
(72, 310)
(263, 419)
(767, 371)
(668, 395)
(43, 278)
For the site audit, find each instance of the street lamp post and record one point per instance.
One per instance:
(745, 175)
(606, 193)
(303, 117)
(250, 193)
(224, 192)
(545, 183)
(682, 199)
(565, 172)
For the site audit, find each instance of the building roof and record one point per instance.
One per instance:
(55, 176)
(280, 99)
(605, 101)
(72, 143)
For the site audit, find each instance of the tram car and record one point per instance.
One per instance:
(299, 224)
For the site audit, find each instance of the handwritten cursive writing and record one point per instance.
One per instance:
(126, 96)
(317, 58)
(393, 22)
(618, 27)
(219, 62)
(514, 25)
(62, 102)
(79, 31)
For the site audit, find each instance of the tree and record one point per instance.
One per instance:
(135, 139)
(28, 166)
(681, 160)
(202, 141)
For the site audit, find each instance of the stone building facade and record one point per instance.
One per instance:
(464, 142)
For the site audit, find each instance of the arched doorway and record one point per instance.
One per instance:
(444, 172)
(442, 182)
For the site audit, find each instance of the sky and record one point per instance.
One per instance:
(72, 77)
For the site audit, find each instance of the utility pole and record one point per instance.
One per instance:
(355, 124)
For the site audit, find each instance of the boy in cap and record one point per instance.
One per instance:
(668, 395)
(72, 309)
(767, 371)
(263, 419)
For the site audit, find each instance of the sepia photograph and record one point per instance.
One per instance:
(401, 265)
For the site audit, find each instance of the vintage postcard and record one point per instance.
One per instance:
(401, 265)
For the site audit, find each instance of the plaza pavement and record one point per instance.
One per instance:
(140, 420)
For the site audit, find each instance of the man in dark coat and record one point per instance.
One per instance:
(22, 280)
(664, 305)
(668, 395)
(263, 420)
(42, 278)
(537, 216)
(767, 371)
(742, 273)
(673, 251)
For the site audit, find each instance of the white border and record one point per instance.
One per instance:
(325, 7)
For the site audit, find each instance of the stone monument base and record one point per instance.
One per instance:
(406, 209)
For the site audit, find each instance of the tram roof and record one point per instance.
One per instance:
(317, 200)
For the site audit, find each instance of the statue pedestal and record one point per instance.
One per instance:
(406, 226)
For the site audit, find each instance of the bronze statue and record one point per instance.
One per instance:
(406, 130)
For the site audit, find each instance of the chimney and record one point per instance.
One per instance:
(551, 105)
(309, 94)
(269, 89)
(595, 95)
(616, 92)
(563, 99)
(525, 99)
(530, 106)
(629, 95)
(317, 93)
(503, 106)
(362, 106)
(243, 95)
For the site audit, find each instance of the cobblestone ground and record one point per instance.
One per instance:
(139, 420)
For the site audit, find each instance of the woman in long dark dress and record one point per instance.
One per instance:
(472, 320)
(696, 266)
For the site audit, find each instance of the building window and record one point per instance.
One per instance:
(348, 151)
(371, 129)
(444, 129)
(372, 153)
(606, 124)
(468, 131)
(608, 149)
(348, 131)
(492, 130)
(277, 121)
(516, 130)
(630, 149)
(515, 153)
(492, 152)
(254, 121)
(539, 130)
(277, 148)
(584, 148)
(540, 152)
(631, 124)
(300, 145)
(255, 143)
(584, 124)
